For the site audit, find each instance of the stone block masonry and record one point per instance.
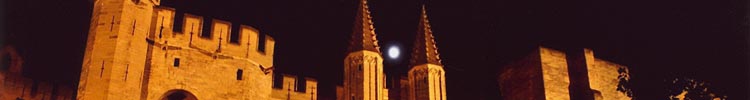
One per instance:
(552, 75)
(138, 50)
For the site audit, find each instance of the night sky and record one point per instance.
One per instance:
(657, 39)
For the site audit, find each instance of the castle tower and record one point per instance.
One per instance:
(113, 63)
(363, 66)
(426, 77)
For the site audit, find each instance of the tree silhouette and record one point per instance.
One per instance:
(624, 84)
(691, 89)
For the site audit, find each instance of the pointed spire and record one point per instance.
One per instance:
(424, 50)
(363, 37)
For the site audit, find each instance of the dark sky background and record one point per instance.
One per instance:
(657, 39)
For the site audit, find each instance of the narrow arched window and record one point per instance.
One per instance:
(176, 62)
(360, 67)
(239, 74)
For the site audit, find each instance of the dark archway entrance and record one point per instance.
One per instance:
(178, 95)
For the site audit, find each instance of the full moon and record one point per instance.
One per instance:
(393, 52)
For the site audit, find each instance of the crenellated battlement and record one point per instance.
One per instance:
(140, 51)
(15, 86)
(20, 87)
(216, 36)
(293, 88)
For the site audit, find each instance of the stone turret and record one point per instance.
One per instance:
(424, 51)
(363, 35)
(426, 76)
(363, 66)
(113, 63)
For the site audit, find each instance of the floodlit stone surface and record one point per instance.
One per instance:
(554, 74)
(13, 85)
(426, 82)
(290, 90)
(544, 75)
(364, 78)
(603, 77)
(133, 54)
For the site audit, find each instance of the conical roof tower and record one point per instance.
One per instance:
(363, 37)
(424, 51)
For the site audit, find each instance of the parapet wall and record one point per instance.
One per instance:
(211, 35)
(14, 86)
(291, 90)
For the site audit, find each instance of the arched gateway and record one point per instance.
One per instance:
(178, 95)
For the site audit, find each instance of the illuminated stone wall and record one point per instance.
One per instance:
(13, 85)
(136, 51)
(603, 77)
(363, 77)
(541, 75)
(544, 74)
(116, 45)
(554, 74)
(209, 67)
(522, 80)
(426, 82)
(290, 90)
